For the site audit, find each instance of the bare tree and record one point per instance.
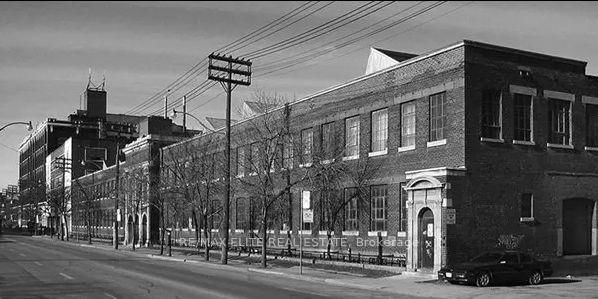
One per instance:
(269, 177)
(137, 189)
(331, 174)
(194, 175)
(85, 203)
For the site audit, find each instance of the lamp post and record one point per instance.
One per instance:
(174, 115)
(28, 124)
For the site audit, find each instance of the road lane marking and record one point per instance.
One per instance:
(65, 276)
(21, 254)
(38, 263)
(110, 296)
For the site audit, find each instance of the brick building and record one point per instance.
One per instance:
(94, 194)
(481, 147)
(90, 131)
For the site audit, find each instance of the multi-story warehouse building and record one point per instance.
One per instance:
(96, 194)
(479, 146)
(90, 128)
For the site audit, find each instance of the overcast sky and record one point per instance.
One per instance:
(47, 48)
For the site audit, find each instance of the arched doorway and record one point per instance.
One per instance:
(136, 231)
(426, 239)
(130, 229)
(143, 230)
(577, 226)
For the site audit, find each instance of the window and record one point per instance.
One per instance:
(408, 124)
(254, 154)
(491, 114)
(527, 207)
(378, 208)
(523, 117)
(242, 214)
(351, 218)
(287, 155)
(352, 136)
(437, 116)
(379, 134)
(240, 161)
(592, 125)
(403, 209)
(307, 138)
(328, 141)
(254, 213)
(560, 121)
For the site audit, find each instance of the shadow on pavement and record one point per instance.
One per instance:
(559, 280)
(512, 284)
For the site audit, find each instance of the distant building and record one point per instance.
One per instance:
(90, 129)
(94, 194)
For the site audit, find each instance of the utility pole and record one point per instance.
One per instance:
(184, 114)
(222, 69)
(64, 164)
(116, 194)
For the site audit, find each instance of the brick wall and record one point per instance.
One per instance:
(498, 173)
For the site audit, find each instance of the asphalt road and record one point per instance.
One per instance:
(35, 268)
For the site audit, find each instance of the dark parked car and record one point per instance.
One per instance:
(497, 267)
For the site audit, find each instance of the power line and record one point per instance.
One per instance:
(307, 37)
(319, 30)
(196, 68)
(347, 43)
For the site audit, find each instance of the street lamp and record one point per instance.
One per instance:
(174, 115)
(29, 125)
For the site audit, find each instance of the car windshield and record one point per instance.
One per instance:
(487, 257)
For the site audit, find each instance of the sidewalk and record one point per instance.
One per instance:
(408, 284)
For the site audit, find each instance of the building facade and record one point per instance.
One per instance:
(133, 184)
(88, 132)
(479, 146)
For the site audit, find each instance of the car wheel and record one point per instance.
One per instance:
(535, 278)
(482, 279)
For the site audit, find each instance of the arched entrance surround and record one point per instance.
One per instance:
(424, 233)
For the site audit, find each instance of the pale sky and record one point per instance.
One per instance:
(47, 48)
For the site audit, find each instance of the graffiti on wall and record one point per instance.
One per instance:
(509, 241)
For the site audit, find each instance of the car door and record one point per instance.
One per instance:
(508, 268)
(527, 265)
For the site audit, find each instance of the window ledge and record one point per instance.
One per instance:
(406, 148)
(436, 143)
(240, 176)
(562, 146)
(271, 231)
(239, 231)
(252, 174)
(305, 232)
(354, 157)
(378, 153)
(522, 142)
(350, 233)
(215, 230)
(401, 234)
(374, 234)
(527, 219)
(325, 233)
(486, 139)
(591, 148)
(324, 162)
(304, 165)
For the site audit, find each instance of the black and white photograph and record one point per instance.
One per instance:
(298, 149)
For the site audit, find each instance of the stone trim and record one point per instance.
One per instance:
(558, 95)
(589, 100)
(530, 91)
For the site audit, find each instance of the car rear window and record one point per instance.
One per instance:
(525, 258)
(487, 257)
